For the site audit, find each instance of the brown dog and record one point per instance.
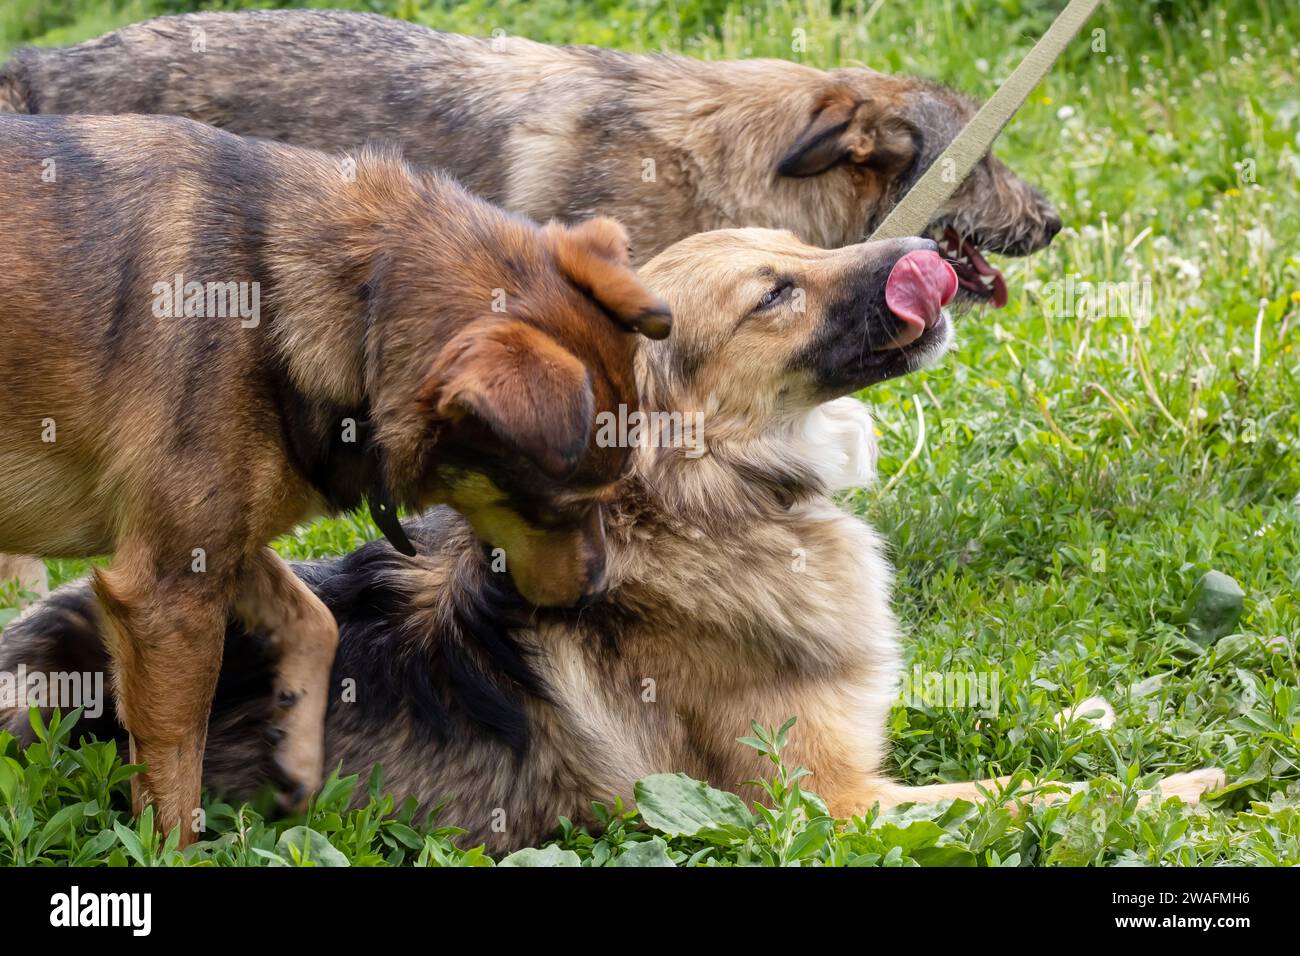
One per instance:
(208, 340)
(738, 590)
(668, 145)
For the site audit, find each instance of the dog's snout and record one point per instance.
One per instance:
(885, 252)
(916, 244)
(1051, 224)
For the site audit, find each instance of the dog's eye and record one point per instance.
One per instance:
(773, 296)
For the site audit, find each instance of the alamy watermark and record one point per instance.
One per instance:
(1085, 299)
(78, 908)
(638, 429)
(66, 690)
(208, 300)
(951, 690)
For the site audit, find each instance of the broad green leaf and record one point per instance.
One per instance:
(56, 824)
(811, 839)
(1214, 607)
(944, 856)
(131, 841)
(652, 852)
(97, 844)
(405, 835)
(674, 804)
(546, 856)
(311, 846)
(10, 774)
(917, 834)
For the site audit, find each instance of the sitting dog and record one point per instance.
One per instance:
(737, 590)
(208, 340)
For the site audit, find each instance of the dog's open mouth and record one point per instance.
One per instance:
(919, 285)
(902, 332)
(974, 274)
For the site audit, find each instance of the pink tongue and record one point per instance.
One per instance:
(983, 268)
(919, 286)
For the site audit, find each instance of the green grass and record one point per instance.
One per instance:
(1078, 475)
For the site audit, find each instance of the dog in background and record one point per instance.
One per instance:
(668, 145)
(208, 340)
(736, 587)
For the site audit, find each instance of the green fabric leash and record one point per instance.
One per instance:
(917, 209)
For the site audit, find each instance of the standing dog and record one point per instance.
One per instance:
(208, 340)
(737, 589)
(669, 146)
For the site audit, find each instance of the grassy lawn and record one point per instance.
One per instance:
(1079, 472)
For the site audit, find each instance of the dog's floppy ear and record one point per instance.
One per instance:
(524, 387)
(845, 130)
(594, 257)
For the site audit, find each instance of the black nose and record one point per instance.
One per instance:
(917, 244)
(895, 249)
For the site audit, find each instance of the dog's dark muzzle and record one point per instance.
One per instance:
(856, 346)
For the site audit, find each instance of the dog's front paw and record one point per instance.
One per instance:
(1191, 786)
(1095, 710)
(298, 756)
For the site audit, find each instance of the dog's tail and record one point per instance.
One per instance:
(15, 92)
(54, 647)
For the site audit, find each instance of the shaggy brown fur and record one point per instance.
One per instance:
(738, 591)
(396, 338)
(668, 145)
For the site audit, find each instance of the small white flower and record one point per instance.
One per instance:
(1188, 271)
(1260, 240)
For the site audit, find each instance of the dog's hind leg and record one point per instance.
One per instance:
(164, 627)
(62, 634)
(1188, 787)
(273, 602)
